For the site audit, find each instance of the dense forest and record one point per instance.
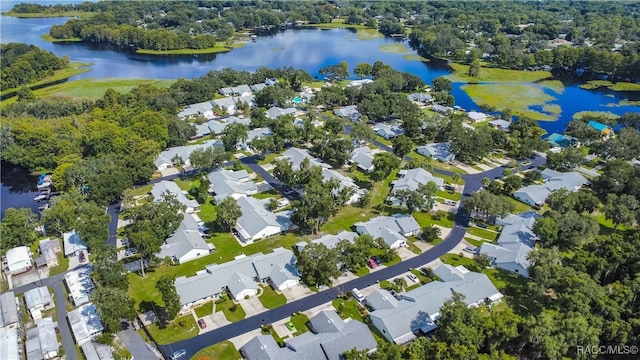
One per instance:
(597, 36)
(21, 64)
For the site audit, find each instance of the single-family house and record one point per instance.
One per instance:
(227, 104)
(239, 277)
(349, 112)
(79, 285)
(9, 346)
(344, 182)
(501, 124)
(18, 260)
(257, 222)
(514, 243)
(329, 240)
(227, 183)
(388, 131)
(164, 187)
(187, 242)
(180, 154)
(245, 100)
(42, 342)
(605, 131)
(330, 339)
(217, 127)
(535, 195)
(439, 151)
(275, 112)
(363, 157)
(561, 140)
(410, 180)
(85, 323)
(38, 300)
(204, 109)
(226, 91)
(401, 320)
(73, 244)
(393, 230)
(474, 116)
(241, 90)
(257, 133)
(420, 98)
(258, 87)
(444, 110)
(49, 250)
(296, 156)
(299, 123)
(8, 310)
(359, 83)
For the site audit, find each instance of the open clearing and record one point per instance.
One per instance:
(518, 97)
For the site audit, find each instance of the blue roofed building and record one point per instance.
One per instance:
(605, 131)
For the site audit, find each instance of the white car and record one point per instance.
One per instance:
(357, 295)
(412, 277)
(450, 203)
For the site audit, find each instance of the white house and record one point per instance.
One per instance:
(296, 156)
(439, 151)
(42, 341)
(227, 183)
(85, 323)
(475, 117)
(187, 242)
(391, 229)
(18, 260)
(275, 112)
(79, 285)
(363, 156)
(411, 180)
(168, 157)
(388, 131)
(344, 182)
(8, 310)
(257, 222)
(38, 300)
(73, 244)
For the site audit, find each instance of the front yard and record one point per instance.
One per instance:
(270, 299)
(221, 351)
(181, 328)
(232, 311)
(347, 308)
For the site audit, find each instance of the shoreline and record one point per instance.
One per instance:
(212, 50)
(75, 68)
(48, 15)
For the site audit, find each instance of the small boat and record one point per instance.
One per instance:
(41, 197)
(43, 207)
(44, 185)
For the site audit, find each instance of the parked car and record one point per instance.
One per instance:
(471, 249)
(412, 277)
(449, 187)
(178, 354)
(357, 294)
(82, 257)
(372, 263)
(202, 324)
(450, 202)
(425, 271)
(482, 225)
(377, 260)
(291, 326)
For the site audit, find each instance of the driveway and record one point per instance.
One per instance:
(138, 348)
(252, 306)
(296, 292)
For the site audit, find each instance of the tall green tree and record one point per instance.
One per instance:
(318, 264)
(402, 145)
(228, 212)
(384, 164)
(234, 134)
(113, 305)
(167, 288)
(17, 228)
(209, 159)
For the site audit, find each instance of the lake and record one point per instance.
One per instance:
(308, 49)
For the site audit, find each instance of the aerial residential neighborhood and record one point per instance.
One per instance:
(416, 180)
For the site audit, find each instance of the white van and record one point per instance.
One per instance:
(450, 202)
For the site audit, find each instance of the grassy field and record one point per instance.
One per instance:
(415, 57)
(518, 97)
(554, 85)
(618, 86)
(425, 219)
(49, 38)
(205, 309)
(490, 235)
(180, 328)
(74, 68)
(270, 299)
(461, 71)
(394, 48)
(221, 351)
(553, 109)
(219, 48)
(337, 24)
(49, 14)
(92, 88)
(300, 322)
(448, 195)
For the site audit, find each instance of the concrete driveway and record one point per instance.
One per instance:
(296, 293)
(252, 306)
(405, 253)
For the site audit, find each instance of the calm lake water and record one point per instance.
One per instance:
(308, 49)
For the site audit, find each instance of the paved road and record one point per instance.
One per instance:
(134, 343)
(63, 324)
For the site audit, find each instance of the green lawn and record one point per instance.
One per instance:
(91, 88)
(426, 219)
(519, 205)
(270, 299)
(474, 242)
(219, 48)
(204, 310)
(268, 159)
(517, 96)
(267, 194)
(345, 219)
(490, 235)
(336, 24)
(411, 246)
(142, 190)
(347, 308)
(487, 74)
(74, 68)
(232, 311)
(49, 38)
(412, 287)
(63, 265)
(619, 86)
(384, 141)
(415, 57)
(368, 34)
(421, 277)
(362, 271)
(449, 195)
(300, 321)
(181, 328)
(221, 351)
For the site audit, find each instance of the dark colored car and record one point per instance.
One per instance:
(482, 225)
(377, 260)
(202, 324)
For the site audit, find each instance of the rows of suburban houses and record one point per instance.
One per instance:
(41, 340)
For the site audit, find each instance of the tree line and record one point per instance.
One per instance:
(22, 64)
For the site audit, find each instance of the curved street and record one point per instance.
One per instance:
(473, 182)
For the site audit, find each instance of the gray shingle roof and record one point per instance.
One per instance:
(438, 151)
(296, 156)
(240, 282)
(363, 156)
(381, 299)
(256, 218)
(415, 177)
(346, 111)
(38, 296)
(275, 112)
(173, 189)
(225, 183)
(167, 155)
(389, 228)
(280, 257)
(571, 181)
